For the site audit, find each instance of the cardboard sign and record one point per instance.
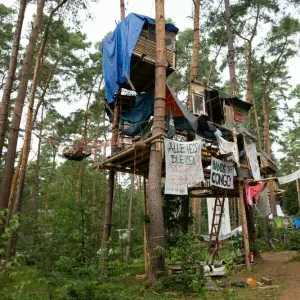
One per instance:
(221, 174)
(183, 166)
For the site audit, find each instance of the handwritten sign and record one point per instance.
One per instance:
(183, 166)
(221, 174)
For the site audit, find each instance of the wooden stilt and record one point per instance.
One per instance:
(244, 226)
(145, 230)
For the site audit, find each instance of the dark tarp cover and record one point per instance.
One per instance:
(139, 114)
(117, 49)
(143, 109)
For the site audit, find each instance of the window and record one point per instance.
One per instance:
(198, 104)
(152, 37)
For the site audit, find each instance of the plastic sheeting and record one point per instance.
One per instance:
(139, 115)
(117, 49)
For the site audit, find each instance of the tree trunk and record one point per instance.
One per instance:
(257, 127)
(17, 114)
(156, 225)
(199, 215)
(108, 209)
(11, 74)
(231, 62)
(13, 189)
(212, 67)
(251, 231)
(28, 132)
(111, 173)
(37, 168)
(195, 57)
(127, 255)
(122, 10)
(185, 209)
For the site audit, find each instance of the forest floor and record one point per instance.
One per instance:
(284, 270)
(24, 283)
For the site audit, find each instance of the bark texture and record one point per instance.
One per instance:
(196, 49)
(231, 61)
(4, 108)
(156, 225)
(127, 254)
(17, 114)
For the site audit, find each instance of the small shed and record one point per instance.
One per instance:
(220, 107)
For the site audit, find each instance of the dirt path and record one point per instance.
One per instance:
(282, 271)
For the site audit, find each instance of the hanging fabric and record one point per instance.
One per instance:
(253, 191)
(228, 147)
(250, 148)
(278, 222)
(170, 125)
(289, 178)
(297, 222)
(262, 204)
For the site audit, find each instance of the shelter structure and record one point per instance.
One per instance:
(217, 118)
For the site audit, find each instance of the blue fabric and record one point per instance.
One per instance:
(117, 49)
(297, 222)
(139, 114)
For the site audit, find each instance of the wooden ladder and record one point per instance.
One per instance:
(213, 244)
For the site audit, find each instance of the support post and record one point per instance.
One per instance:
(145, 228)
(244, 225)
(111, 173)
(156, 225)
(298, 191)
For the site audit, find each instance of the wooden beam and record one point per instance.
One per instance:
(145, 228)
(244, 225)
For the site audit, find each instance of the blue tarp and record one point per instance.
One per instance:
(297, 222)
(140, 113)
(117, 49)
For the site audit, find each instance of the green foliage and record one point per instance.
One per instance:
(6, 34)
(187, 252)
(8, 230)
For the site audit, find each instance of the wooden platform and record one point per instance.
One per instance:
(135, 159)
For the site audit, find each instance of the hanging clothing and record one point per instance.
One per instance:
(297, 222)
(262, 204)
(228, 147)
(253, 191)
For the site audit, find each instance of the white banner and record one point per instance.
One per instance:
(250, 148)
(289, 178)
(228, 147)
(225, 222)
(221, 174)
(183, 166)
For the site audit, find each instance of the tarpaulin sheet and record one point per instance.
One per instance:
(117, 49)
(139, 114)
(297, 222)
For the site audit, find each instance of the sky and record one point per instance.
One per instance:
(106, 13)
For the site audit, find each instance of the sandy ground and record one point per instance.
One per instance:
(283, 272)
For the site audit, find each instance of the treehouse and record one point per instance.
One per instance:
(129, 62)
(129, 55)
(221, 108)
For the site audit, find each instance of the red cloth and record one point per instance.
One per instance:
(253, 191)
